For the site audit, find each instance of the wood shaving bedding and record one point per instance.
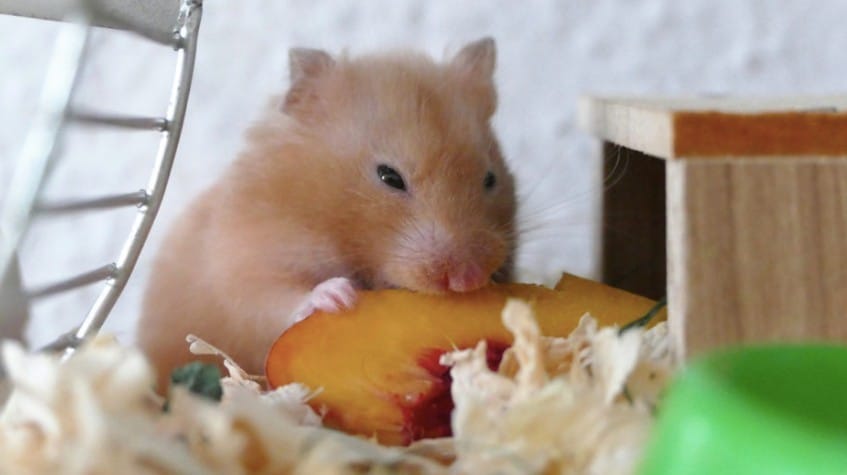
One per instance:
(576, 405)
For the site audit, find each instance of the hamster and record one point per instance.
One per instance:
(381, 171)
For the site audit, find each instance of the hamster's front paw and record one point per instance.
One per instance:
(331, 295)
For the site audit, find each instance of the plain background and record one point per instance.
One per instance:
(550, 53)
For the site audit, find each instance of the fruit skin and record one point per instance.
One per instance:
(377, 363)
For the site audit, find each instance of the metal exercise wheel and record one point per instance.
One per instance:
(171, 23)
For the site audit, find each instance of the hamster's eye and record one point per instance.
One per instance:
(390, 177)
(490, 181)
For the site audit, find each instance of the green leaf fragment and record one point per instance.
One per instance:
(203, 379)
(644, 320)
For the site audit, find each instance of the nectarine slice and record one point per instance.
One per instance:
(378, 364)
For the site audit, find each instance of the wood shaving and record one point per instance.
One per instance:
(576, 405)
(557, 405)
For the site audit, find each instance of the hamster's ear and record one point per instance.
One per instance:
(477, 59)
(305, 65)
(474, 65)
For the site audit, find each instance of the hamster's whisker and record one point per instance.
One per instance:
(529, 230)
(552, 239)
(545, 176)
(617, 172)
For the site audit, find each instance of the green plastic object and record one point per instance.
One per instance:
(776, 409)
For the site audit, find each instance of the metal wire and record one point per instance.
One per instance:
(138, 198)
(137, 123)
(79, 280)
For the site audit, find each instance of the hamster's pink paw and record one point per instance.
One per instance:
(331, 295)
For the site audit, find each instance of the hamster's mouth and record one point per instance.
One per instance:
(443, 286)
(380, 283)
(440, 280)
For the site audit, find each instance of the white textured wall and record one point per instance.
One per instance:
(549, 53)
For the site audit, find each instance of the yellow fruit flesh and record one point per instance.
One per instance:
(374, 362)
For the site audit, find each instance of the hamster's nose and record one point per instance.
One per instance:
(465, 277)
